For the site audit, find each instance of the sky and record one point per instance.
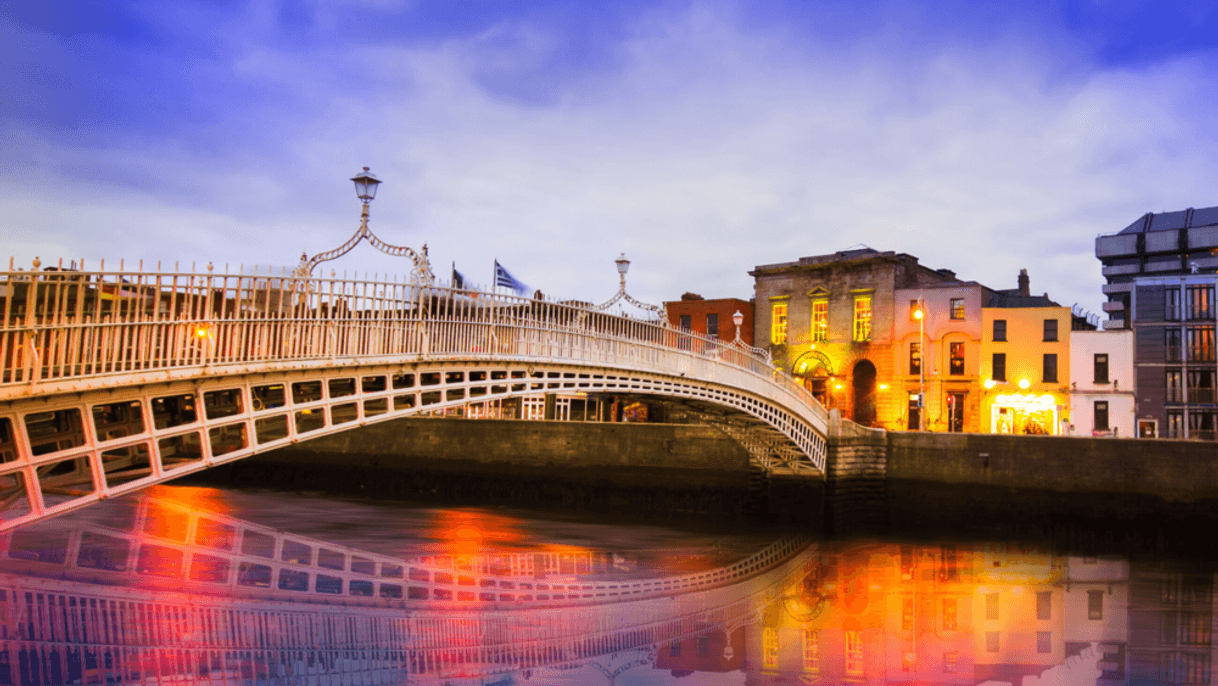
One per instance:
(701, 138)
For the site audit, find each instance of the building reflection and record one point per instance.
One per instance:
(156, 591)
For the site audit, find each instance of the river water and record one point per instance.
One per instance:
(191, 585)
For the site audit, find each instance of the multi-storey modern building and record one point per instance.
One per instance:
(828, 320)
(1161, 278)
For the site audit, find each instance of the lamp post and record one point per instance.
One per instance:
(738, 319)
(365, 189)
(920, 315)
(623, 265)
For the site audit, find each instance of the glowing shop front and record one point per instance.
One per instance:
(1025, 413)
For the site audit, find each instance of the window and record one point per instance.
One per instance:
(957, 308)
(1171, 342)
(1044, 641)
(1202, 424)
(685, 322)
(1000, 329)
(1175, 424)
(1044, 605)
(1049, 373)
(820, 320)
(862, 318)
(1201, 385)
(1095, 604)
(854, 652)
(1201, 302)
(1200, 343)
(950, 661)
(914, 308)
(712, 324)
(1171, 304)
(778, 324)
(915, 358)
(703, 645)
(769, 648)
(1175, 386)
(1184, 668)
(1101, 415)
(991, 606)
(1101, 368)
(811, 650)
(956, 365)
(999, 372)
(1050, 329)
(991, 641)
(949, 614)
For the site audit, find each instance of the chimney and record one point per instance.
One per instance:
(1023, 283)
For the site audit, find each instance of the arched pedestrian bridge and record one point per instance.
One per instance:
(112, 381)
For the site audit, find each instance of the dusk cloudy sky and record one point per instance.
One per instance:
(702, 138)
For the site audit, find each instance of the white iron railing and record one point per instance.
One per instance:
(75, 325)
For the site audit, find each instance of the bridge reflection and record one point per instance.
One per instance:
(158, 590)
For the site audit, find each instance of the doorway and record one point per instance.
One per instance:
(864, 393)
(955, 412)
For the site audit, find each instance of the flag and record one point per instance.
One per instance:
(458, 280)
(503, 278)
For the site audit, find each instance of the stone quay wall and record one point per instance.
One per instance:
(640, 468)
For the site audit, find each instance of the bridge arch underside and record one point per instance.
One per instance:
(62, 452)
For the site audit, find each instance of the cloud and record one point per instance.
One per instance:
(698, 140)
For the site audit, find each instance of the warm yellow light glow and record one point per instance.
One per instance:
(883, 387)
(917, 314)
(203, 331)
(1024, 383)
(989, 383)
(837, 386)
(1029, 400)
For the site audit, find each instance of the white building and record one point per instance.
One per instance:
(1097, 612)
(1102, 385)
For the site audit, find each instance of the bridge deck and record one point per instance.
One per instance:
(112, 381)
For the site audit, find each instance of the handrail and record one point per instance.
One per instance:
(69, 325)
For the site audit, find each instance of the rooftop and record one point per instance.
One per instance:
(1168, 221)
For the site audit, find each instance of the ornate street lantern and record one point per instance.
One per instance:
(365, 185)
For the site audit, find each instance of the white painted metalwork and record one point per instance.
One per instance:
(111, 381)
(165, 544)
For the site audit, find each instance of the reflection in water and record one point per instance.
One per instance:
(178, 589)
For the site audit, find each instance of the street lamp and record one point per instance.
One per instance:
(737, 319)
(365, 189)
(365, 186)
(623, 265)
(920, 315)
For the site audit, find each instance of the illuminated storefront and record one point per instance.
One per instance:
(1025, 413)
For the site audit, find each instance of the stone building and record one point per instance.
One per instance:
(828, 321)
